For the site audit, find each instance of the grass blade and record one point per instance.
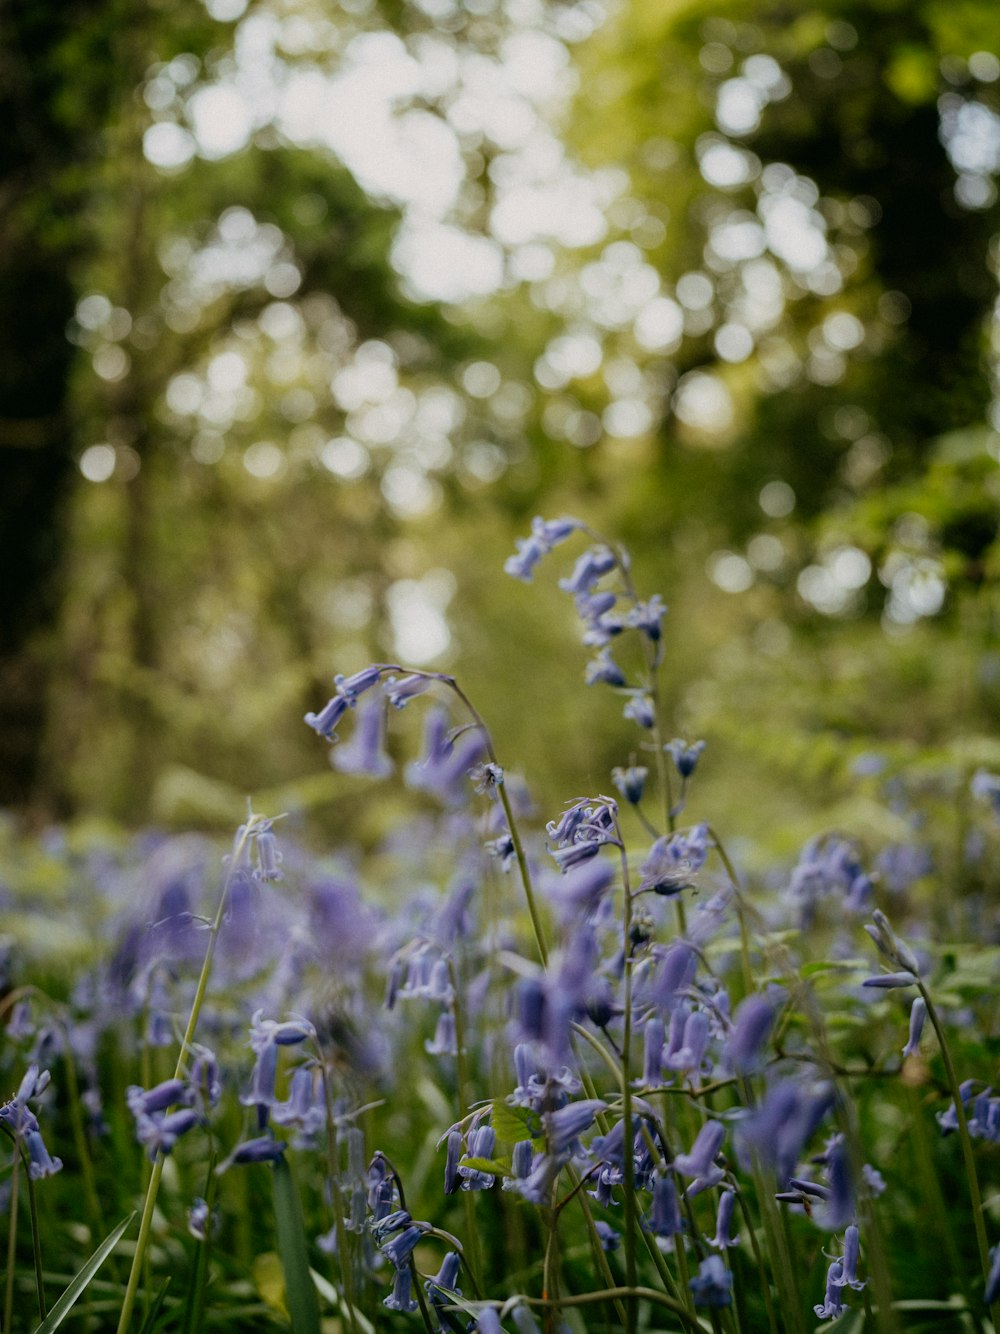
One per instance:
(300, 1292)
(76, 1287)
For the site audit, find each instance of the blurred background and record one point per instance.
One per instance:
(308, 308)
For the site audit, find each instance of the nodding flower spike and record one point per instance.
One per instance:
(351, 687)
(325, 722)
(832, 1304)
(918, 1013)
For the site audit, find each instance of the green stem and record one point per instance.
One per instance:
(965, 1140)
(8, 1304)
(474, 1260)
(36, 1243)
(631, 1275)
(145, 1225)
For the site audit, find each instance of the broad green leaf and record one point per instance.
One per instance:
(300, 1292)
(487, 1165)
(76, 1287)
(512, 1124)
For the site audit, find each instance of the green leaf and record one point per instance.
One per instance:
(300, 1292)
(76, 1287)
(512, 1124)
(487, 1165)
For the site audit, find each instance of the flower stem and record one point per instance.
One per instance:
(145, 1225)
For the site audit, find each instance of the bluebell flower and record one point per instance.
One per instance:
(648, 617)
(699, 1163)
(595, 562)
(849, 1263)
(482, 1144)
(685, 757)
(889, 944)
(586, 881)
(443, 1043)
(779, 1128)
(833, 1303)
(488, 1322)
(40, 1162)
(200, 1219)
(536, 1187)
(603, 670)
(400, 690)
(564, 1126)
(664, 1218)
(640, 709)
(305, 1107)
(325, 722)
(889, 981)
(268, 856)
(986, 787)
(161, 1131)
(144, 1102)
(447, 759)
(948, 1119)
(918, 1013)
(352, 687)
(398, 1249)
(674, 859)
(444, 1284)
(992, 1291)
(529, 552)
(653, 1038)
(396, 1221)
(552, 532)
(601, 623)
(752, 1026)
(610, 1239)
(401, 1297)
(631, 782)
(365, 752)
(724, 1221)
(691, 1052)
(713, 1284)
(522, 1161)
(678, 964)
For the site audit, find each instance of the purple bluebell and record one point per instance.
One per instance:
(889, 944)
(398, 1249)
(664, 1218)
(552, 532)
(521, 1314)
(444, 1042)
(603, 670)
(610, 1239)
(699, 1163)
(325, 722)
(575, 854)
(161, 1131)
(392, 1222)
(400, 690)
(752, 1026)
(889, 981)
(40, 1162)
(536, 1187)
(918, 1013)
(601, 622)
(653, 1039)
(713, 1284)
(144, 1102)
(268, 866)
(305, 1107)
(488, 1322)
(522, 1160)
(691, 1053)
(263, 1149)
(401, 1297)
(872, 1180)
(444, 1283)
(849, 1263)
(986, 787)
(832, 1304)
(365, 753)
(678, 964)
(352, 687)
(204, 1081)
(522, 564)
(482, 1144)
(899, 865)
(590, 567)
(200, 1219)
(640, 710)
(724, 1221)
(685, 757)
(673, 859)
(631, 782)
(585, 884)
(781, 1126)
(948, 1119)
(447, 759)
(564, 1126)
(648, 617)
(259, 1091)
(992, 1291)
